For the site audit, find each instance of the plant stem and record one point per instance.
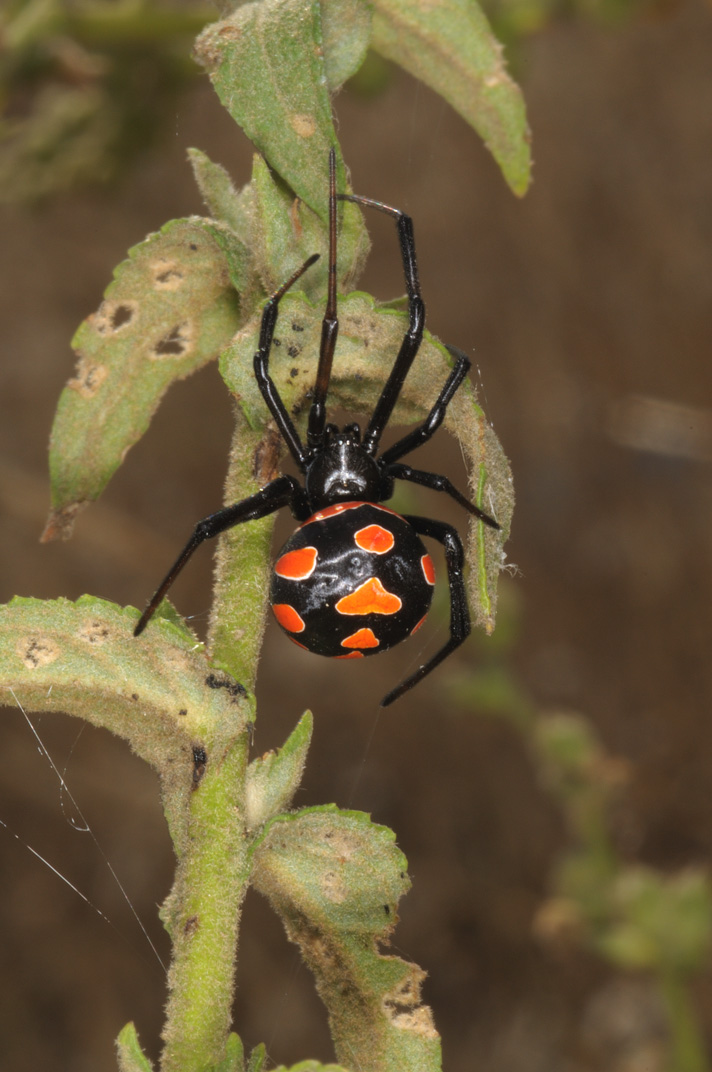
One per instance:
(203, 913)
(687, 1050)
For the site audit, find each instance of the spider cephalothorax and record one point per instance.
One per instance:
(355, 577)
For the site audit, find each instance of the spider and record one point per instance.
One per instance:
(354, 578)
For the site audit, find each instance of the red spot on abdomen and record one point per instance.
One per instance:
(296, 565)
(428, 568)
(362, 638)
(369, 598)
(288, 618)
(375, 539)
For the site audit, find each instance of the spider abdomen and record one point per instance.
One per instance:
(353, 580)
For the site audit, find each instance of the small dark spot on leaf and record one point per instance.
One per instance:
(297, 327)
(200, 761)
(294, 372)
(134, 696)
(191, 925)
(171, 275)
(276, 342)
(193, 247)
(234, 688)
(387, 909)
(294, 351)
(37, 652)
(183, 711)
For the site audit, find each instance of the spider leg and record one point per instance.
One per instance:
(264, 380)
(416, 321)
(284, 491)
(329, 325)
(435, 418)
(440, 483)
(459, 613)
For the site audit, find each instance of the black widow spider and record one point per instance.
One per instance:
(354, 578)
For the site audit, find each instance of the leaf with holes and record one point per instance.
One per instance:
(172, 306)
(335, 879)
(368, 333)
(450, 47)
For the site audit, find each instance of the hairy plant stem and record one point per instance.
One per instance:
(203, 913)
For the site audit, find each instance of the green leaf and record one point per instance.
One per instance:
(346, 26)
(335, 879)
(450, 46)
(234, 1055)
(285, 232)
(170, 309)
(666, 921)
(367, 333)
(258, 1056)
(266, 62)
(225, 203)
(273, 779)
(130, 1055)
(157, 691)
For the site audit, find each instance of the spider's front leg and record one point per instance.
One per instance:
(459, 613)
(284, 491)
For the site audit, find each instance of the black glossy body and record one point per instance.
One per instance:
(370, 584)
(344, 473)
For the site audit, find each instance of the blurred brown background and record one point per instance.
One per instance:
(592, 291)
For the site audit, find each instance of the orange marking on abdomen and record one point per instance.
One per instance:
(350, 655)
(375, 539)
(417, 626)
(369, 598)
(329, 511)
(288, 618)
(428, 568)
(362, 638)
(297, 565)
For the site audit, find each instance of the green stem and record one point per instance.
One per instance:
(242, 564)
(687, 1050)
(203, 914)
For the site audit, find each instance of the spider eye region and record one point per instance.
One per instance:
(354, 579)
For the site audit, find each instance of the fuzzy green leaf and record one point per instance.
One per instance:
(450, 46)
(367, 333)
(258, 1056)
(335, 879)
(273, 779)
(130, 1055)
(156, 691)
(225, 203)
(266, 61)
(234, 1055)
(171, 308)
(285, 232)
(346, 26)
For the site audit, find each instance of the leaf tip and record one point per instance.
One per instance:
(60, 523)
